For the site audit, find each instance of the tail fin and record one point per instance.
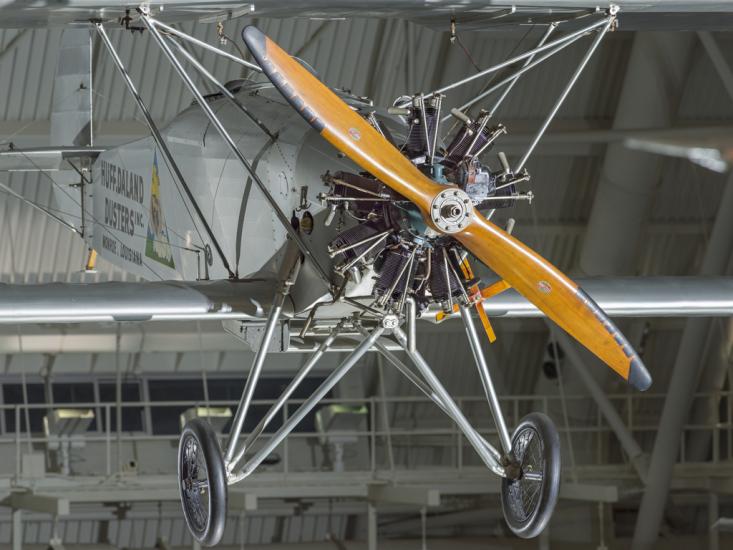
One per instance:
(71, 123)
(70, 137)
(71, 115)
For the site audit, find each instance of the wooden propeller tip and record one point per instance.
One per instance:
(254, 38)
(639, 377)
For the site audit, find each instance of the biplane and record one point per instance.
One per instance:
(344, 221)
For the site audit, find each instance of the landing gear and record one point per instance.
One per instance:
(529, 500)
(202, 482)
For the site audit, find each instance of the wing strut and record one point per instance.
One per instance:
(170, 161)
(150, 24)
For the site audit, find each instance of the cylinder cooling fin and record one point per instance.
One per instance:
(394, 276)
(444, 284)
(356, 241)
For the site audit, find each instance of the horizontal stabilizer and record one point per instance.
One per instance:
(44, 159)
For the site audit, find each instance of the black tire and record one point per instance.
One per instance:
(202, 482)
(528, 502)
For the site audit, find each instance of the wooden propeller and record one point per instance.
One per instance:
(530, 274)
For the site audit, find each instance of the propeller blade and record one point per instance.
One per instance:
(556, 295)
(530, 274)
(337, 122)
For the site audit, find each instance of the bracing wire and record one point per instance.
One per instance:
(556, 358)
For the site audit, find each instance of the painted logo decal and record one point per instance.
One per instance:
(355, 134)
(544, 286)
(158, 245)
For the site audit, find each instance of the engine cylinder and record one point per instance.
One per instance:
(393, 262)
(354, 235)
(443, 285)
(463, 142)
(417, 139)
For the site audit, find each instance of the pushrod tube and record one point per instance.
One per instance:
(434, 145)
(333, 253)
(485, 375)
(160, 141)
(223, 89)
(565, 92)
(284, 220)
(411, 323)
(326, 386)
(463, 424)
(254, 375)
(214, 49)
(366, 251)
(517, 58)
(278, 405)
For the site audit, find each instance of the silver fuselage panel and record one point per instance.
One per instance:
(143, 223)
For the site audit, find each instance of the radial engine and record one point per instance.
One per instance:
(391, 244)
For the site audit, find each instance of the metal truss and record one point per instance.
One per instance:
(373, 328)
(548, 49)
(165, 45)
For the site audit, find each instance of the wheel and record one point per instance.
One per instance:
(529, 500)
(202, 482)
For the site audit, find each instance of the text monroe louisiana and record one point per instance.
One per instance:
(129, 185)
(118, 248)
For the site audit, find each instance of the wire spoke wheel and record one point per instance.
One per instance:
(202, 482)
(529, 500)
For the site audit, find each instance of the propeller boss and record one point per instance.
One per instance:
(451, 210)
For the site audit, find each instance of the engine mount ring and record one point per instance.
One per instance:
(451, 210)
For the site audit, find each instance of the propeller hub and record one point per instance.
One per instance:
(451, 210)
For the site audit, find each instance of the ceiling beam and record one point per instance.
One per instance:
(403, 494)
(720, 63)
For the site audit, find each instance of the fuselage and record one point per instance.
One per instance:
(143, 222)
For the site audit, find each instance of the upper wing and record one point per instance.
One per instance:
(44, 159)
(471, 14)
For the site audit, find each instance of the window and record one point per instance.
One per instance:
(166, 419)
(71, 392)
(75, 392)
(132, 417)
(13, 395)
(268, 388)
